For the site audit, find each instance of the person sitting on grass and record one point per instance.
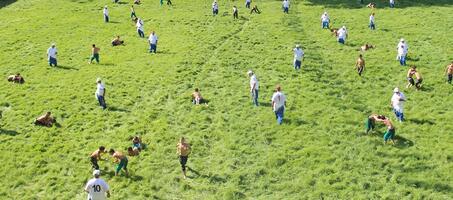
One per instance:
(366, 47)
(137, 143)
(410, 74)
(117, 41)
(133, 151)
(137, 2)
(371, 121)
(45, 120)
(16, 79)
(389, 135)
(96, 156)
(121, 160)
(255, 10)
(196, 97)
(449, 72)
(371, 5)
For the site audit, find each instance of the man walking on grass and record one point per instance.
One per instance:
(278, 104)
(96, 156)
(152, 42)
(298, 57)
(360, 65)
(97, 188)
(254, 85)
(121, 159)
(397, 102)
(52, 55)
(106, 14)
(183, 150)
(94, 54)
(285, 6)
(449, 72)
(100, 93)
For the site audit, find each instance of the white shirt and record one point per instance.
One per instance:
(392, 1)
(324, 18)
(298, 53)
(139, 24)
(279, 100)
(152, 39)
(254, 81)
(96, 189)
(406, 47)
(372, 19)
(342, 33)
(396, 103)
(402, 51)
(286, 4)
(100, 89)
(52, 52)
(248, 1)
(215, 6)
(106, 12)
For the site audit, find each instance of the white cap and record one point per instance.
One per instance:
(98, 80)
(53, 44)
(96, 172)
(297, 46)
(396, 90)
(250, 72)
(344, 27)
(105, 6)
(402, 40)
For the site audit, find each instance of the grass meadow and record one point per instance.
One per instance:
(239, 151)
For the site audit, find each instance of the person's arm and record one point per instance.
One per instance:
(86, 188)
(103, 94)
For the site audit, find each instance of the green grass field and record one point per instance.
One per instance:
(239, 151)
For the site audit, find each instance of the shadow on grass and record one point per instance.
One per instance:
(65, 67)
(8, 132)
(351, 4)
(4, 3)
(421, 121)
(113, 22)
(116, 109)
(297, 122)
(400, 141)
(439, 187)
(265, 104)
(212, 178)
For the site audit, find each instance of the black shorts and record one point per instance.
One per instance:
(183, 161)
(411, 80)
(94, 163)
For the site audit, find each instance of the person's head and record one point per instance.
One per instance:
(360, 56)
(250, 73)
(129, 149)
(18, 74)
(182, 140)
(117, 37)
(105, 7)
(48, 114)
(413, 67)
(278, 88)
(402, 40)
(297, 46)
(96, 173)
(381, 117)
(396, 90)
(111, 151)
(344, 27)
(98, 80)
(102, 148)
(196, 89)
(152, 32)
(53, 45)
(372, 14)
(93, 45)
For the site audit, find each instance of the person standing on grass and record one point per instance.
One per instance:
(169, 3)
(96, 156)
(254, 86)
(360, 65)
(449, 72)
(106, 14)
(298, 57)
(392, 3)
(342, 35)
(140, 29)
(389, 135)
(410, 76)
(97, 188)
(100, 93)
(285, 6)
(94, 54)
(52, 55)
(401, 43)
(372, 24)
(152, 42)
(402, 53)
(278, 104)
(235, 13)
(325, 20)
(397, 102)
(133, 12)
(215, 8)
(183, 150)
(121, 159)
(247, 3)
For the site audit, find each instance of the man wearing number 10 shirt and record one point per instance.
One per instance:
(97, 188)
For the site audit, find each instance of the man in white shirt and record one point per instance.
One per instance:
(325, 20)
(401, 43)
(342, 35)
(100, 93)
(285, 6)
(52, 55)
(372, 25)
(97, 188)
(254, 86)
(140, 28)
(392, 3)
(298, 57)
(278, 104)
(397, 101)
(152, 42)
(402, 52)
(106, 14)
(215, 8)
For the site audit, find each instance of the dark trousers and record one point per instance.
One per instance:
(152, 48)
(183, 162)
(449, 78)
(140, 33)
(102, 101)
(235, 15)
(94, 163)
(106, 18)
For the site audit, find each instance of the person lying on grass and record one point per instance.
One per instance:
(390, 133)
(96, 156)
(117, 41)
(16, 79)
(255, 10)
(137, 143)
(196, 97)
(137, 2)
(133, 151)
(121, 159)
(45, 120)
(366, 47)
(371, 122)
